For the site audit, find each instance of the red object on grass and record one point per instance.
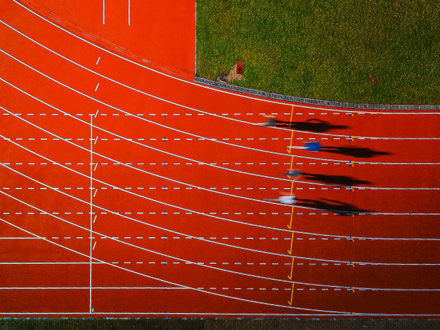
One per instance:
(239, 67)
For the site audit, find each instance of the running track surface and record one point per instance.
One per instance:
(126, 191)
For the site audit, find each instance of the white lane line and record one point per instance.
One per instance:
(183, 314)
(182, 208)
(234, 272)
(199, 238)
(96, 88)
(212, 88)
(48, 262)
(166, 281)
(172, 180)
(103, 11)
(91, 215)
(129, 12)
(223, 116)
(151, 173)
(145, 145)
(16, 238)
(188, 133)
(143, 119)
(97, 61)
(94, 288)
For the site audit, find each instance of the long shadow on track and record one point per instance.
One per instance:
(312, 125)
(334, 179)
(339, 208)
(355, 151)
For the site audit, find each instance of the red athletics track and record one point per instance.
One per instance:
(115, 203)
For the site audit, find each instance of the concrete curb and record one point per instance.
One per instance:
(295, 99)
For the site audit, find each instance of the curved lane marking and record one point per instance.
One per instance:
(202, 111)
(211, 88)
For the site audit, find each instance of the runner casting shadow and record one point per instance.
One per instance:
(331, 205)
(334, 179)
(355, 151)
(311, 125)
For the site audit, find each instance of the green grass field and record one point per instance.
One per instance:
(361, 51)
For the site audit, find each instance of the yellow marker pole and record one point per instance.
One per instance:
(289, 149)
(291, 218)
(291, 295)
(291, 269)
(293, 207)
(291, 244)
(291, 163)
(291, 114)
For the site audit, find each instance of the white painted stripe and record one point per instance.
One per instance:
(144, 171)
(224, 314)
(188, 133)
(129, 12)
(212, 88)
(94, 288)
(103, 11)
(17, 238)
(198, 238)
(47, 262)
(169, 282)
(90, 217)
(178, 207)
(208, 113)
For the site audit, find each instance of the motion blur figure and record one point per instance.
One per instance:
(287, 199)
(312, 124)
(309, 146)
(291, 174)
(284, 198)
(312, 146)
(270, 121)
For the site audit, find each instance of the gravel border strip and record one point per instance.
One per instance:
(295, 99)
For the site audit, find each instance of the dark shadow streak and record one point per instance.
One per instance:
(355, 151)
(330, 205)
(334, 179)
(312, 125)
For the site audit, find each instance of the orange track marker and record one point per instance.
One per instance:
(291, 162)
(291, 218)
(291, 269)
(291, 244)
(291, 190)
(291, 295)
